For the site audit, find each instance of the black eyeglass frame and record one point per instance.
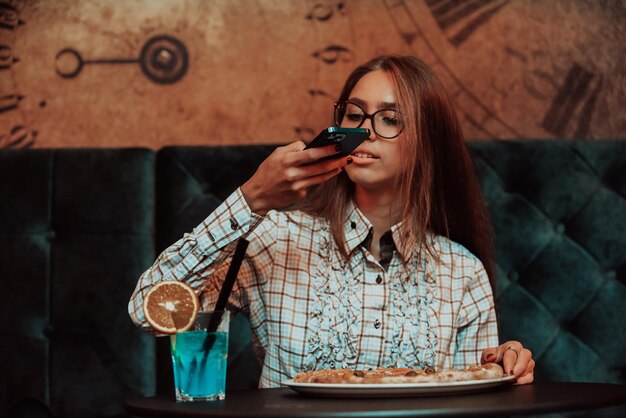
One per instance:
(365, 117)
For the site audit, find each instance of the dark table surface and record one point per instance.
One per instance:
(283, 402)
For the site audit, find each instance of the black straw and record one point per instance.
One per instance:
(227, 287)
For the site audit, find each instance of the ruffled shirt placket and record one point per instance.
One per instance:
(413, 311)
(333, 325)
(336, 319)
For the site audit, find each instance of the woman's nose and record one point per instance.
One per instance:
(367, 123)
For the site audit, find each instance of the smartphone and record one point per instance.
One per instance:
(348, 138)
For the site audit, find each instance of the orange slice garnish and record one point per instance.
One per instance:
(171, 306)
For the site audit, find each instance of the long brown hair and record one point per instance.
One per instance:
(437, 184)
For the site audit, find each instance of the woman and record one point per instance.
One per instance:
(383, 258)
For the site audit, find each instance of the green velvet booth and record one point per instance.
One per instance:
(77, 228)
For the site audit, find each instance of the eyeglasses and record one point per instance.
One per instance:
(387, 123)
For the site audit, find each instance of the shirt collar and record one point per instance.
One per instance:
(356, 228)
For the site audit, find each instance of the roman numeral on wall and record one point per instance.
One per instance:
(572, 107)
(458, 19)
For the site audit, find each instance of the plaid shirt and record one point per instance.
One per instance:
(311, 309)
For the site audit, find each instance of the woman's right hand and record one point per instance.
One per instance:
(282, 178)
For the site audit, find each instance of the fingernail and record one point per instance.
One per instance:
(349, 160)
(491, 357)
(338, 147)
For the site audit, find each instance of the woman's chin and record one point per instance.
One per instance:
(368, 182)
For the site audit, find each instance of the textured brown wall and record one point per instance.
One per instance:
(266, 71)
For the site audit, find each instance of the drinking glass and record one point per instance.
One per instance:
(199, 357)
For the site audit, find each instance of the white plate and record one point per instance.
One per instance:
(395, 389)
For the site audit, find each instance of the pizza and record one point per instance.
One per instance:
(401, 375)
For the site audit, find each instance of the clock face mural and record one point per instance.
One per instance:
(166, 72)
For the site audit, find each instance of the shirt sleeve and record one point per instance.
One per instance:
(202, 257)
(477, 326)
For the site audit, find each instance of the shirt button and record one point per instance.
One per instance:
(377, 324)
(233, 224)
(353, 225)
(379, 279)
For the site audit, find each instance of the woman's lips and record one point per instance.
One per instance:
(363, 157)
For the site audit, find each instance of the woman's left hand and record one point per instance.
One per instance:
(515, 360)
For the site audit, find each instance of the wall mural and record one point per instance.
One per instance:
(113, 73)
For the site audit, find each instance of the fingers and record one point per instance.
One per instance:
(528, 376)
(493, 354)
(281, 179)
(489, 356)
(531, 367)
(304, 156)
(294, 146)
(521, 363)
(294, 174)
(525, 380)
(510, 356)
(301, 178)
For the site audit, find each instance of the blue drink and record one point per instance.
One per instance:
(199, 359)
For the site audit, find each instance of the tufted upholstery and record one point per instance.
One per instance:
(77, 227)
(559, 213)
(76, 230)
